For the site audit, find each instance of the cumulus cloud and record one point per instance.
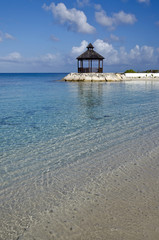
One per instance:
(139, 57)
(143, 53)
(81, 48)
(107, 50)
(74, 19)
(138, 54)
(103, 19)
(116, 18)
(124, 18)
(135, 57)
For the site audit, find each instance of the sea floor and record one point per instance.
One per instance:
(91, 201)
(120, 205)
(78, 160)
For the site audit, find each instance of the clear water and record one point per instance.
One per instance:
(47, 125)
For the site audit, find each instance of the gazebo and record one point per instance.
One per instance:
(90, 61)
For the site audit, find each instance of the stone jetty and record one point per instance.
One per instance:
(110, 77)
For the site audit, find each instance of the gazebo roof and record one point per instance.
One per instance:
(90, 54)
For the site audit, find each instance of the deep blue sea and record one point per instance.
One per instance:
(48, 126)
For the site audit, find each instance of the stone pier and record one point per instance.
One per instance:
(110, 77)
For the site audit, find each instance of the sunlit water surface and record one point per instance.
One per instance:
(48, 127)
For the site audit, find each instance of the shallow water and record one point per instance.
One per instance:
(56, 136)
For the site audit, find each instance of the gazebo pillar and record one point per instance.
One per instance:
(91, 65)
(98, 65)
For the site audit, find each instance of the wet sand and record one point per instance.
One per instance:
(122, 204)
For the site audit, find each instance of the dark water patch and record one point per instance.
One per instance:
(8, 121)
(14, 121)
(33, 125)
(100, 118)
(96, 118)
(48, 108)
(31, 112)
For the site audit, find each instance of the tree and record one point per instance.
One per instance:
(130, 71)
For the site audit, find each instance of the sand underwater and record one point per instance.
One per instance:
(112, 194)
(94, 202)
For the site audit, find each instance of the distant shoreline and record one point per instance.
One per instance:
(111, 77)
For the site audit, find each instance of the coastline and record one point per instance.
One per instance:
(110, 77)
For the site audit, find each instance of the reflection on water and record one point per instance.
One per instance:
(91, 98)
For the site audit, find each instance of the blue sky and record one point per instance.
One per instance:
(47, 35)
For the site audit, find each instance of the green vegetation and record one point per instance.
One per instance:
(147, 71)
(151, 71)
(130, 71)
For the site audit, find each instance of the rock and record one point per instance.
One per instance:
(88, 78)
(111, 77)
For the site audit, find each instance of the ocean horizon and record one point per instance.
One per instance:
(57, 137)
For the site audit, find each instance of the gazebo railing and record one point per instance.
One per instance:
(89, 70)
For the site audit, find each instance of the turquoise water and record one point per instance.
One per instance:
(47, 125)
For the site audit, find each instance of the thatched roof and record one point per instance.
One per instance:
(90, 54)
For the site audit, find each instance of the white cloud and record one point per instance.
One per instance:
(107, 50)
(81, 48)
(12, 57)
(103, 19)
(144, 1)
(116, 18)
(116, 59)
(137, 57)
(143, 53)
(124, 18)
(74, 19)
